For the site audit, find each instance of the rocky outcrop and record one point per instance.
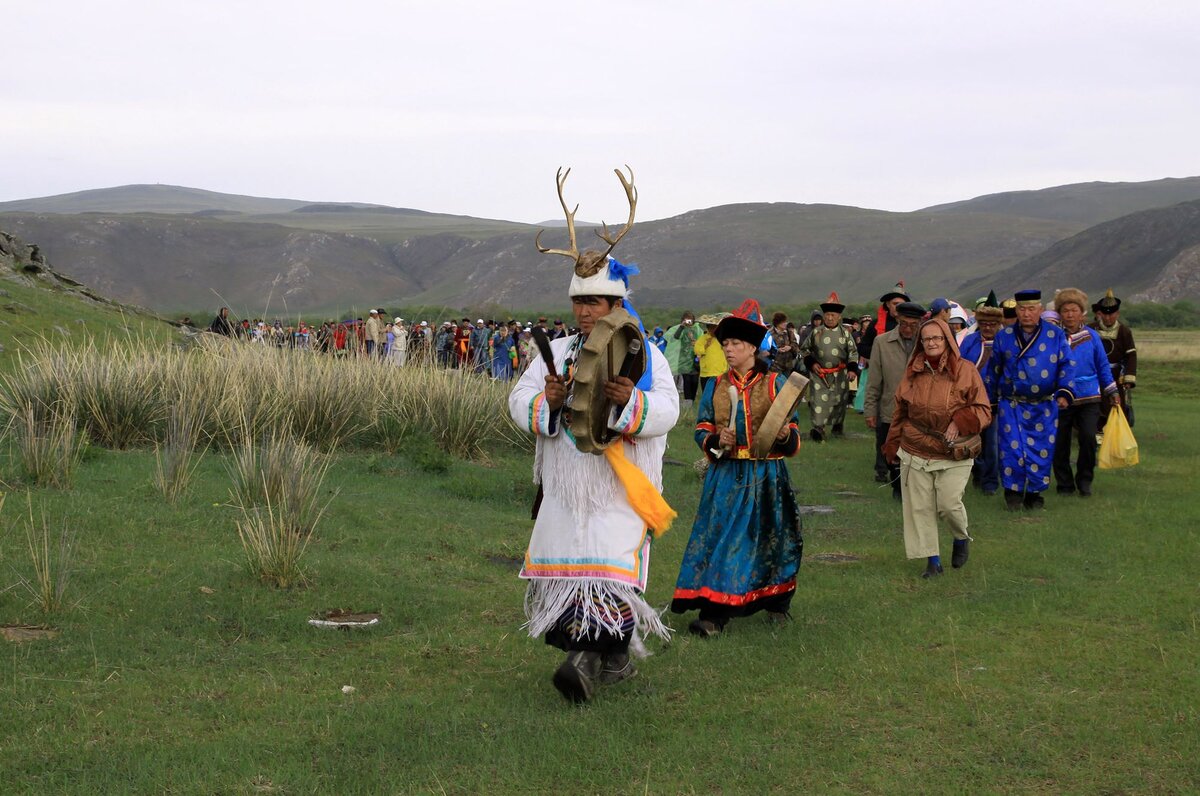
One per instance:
(25, 263)
(1179, 280)
(1149, 253)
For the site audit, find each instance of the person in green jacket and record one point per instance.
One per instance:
(681, 340)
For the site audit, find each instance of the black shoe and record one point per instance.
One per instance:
(1012, 500)
(816, 436)
(1065, 490)
(932, 570)
(1085, 490)
(961, 553)
(576, 678)
(704, 628)
(779, 618)
(989, 493)
(615, 668)
(838, 431)
(1034, 501)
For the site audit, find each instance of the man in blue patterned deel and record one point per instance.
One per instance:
(1030, 373)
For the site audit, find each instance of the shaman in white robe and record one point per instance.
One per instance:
(587, 542)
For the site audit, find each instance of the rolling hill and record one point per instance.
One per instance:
(791, 252)
(1152, 255)
(386, 224)
(1086, 203)
(260, 255)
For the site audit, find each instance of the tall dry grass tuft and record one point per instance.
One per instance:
(277, 488)
(181, 450)
(49, 445)
(284, 473)
(53, 564)
(325, 407)
(122, 395)
(273, 549)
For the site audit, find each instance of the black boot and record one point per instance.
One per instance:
(961, 553)
(1012, 500)
(575, 679)
(838, 431)
(816, 435)
(1034, 501)
(616, 667)
(932, 570)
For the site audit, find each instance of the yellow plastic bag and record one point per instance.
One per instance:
(1119, 448)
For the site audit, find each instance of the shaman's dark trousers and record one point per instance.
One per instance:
(567, 637)
(1079, 420)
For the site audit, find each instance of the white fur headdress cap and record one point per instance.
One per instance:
(602, 283)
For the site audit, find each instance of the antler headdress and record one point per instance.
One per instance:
(589, 265)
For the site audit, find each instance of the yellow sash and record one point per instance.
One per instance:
(647, 502)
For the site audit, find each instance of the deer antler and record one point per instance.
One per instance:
(573, 252)
(631, 195)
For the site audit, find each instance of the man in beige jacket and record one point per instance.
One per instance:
(889, 358)
(374, 334)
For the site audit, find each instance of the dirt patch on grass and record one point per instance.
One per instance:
(508, 562)
(23, 633)
(834, 558)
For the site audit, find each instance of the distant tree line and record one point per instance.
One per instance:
(1178, 315)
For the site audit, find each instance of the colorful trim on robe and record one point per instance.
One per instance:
(737, 600)
(609, 569)
(541, 419)
(631, 420)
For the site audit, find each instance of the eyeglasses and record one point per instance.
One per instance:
(938, 339)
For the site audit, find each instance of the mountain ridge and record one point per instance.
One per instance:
(339, 254)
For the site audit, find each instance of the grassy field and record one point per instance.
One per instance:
(1061, 659)
(1168, 346)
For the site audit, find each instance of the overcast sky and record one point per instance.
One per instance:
(469, 107)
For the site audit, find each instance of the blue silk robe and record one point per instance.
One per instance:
(1027, 376)
(745, 547)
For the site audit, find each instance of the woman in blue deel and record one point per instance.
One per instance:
(745, 547)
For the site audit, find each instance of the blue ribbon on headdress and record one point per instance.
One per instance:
(618, 270)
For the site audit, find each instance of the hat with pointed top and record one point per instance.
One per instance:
(832, 304)
(897, 292)
(1110, 303)
(990, 309)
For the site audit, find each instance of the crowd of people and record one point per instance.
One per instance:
(501, 349)
(1010, 395)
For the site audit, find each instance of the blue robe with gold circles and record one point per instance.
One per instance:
(1027, 374)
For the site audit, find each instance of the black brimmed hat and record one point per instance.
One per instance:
(896, 292)
(737, 328)
(1109, 303)
(833, 304)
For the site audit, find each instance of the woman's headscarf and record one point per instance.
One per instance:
(950, 358)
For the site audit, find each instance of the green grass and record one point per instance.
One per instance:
(30, 313)
(1062, 659)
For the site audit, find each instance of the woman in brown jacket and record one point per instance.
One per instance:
(941, 406)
